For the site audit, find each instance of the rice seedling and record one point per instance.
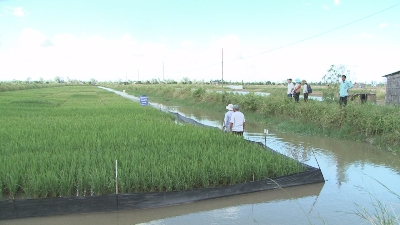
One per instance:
(64, 141)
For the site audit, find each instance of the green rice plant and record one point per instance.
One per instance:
(66, 183)
(68, 147)
(11, 179)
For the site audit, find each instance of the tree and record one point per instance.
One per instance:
(170, 81)
(185, 80)
(154, 81)
(332, 80)
(92, 81)
(57, 79)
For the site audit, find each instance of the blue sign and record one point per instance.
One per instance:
(143, 100)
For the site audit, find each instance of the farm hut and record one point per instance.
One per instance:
(363, 97)
(393, 88)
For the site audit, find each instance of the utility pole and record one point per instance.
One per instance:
(163, 72)
(222, 70)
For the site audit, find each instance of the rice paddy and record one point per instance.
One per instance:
(64, 141)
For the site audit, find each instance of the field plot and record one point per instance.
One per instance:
(64, 141)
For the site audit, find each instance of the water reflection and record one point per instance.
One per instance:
(245, 208)
(352, 170)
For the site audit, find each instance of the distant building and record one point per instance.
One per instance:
(393, 88)
(237, 87)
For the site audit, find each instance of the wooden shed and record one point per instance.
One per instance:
(393, 88)
(363, 97)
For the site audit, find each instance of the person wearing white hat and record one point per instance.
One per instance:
(305, 90)
(227, 118)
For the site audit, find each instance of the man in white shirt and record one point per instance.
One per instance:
(290, 87)
(237, 121)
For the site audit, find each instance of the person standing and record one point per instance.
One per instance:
(343, 90)
(296, 90)
(237, 122)
(305, 90)
(290, 87)
(227, 118)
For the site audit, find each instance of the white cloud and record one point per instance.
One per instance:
(19, 11)
(335, 2)
(383, 25)
(367, 35)
(85, 57)
(187, 44)
(64, 55)
(15, 11)
(31, 39)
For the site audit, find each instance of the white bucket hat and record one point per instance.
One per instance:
(229, 107)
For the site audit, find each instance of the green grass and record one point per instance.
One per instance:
(375, 124)
(383, 213)
(63, 141)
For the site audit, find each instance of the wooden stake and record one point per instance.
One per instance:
(116, 177)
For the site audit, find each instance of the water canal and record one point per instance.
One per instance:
(355, 173)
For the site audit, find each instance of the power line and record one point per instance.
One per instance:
(302, 40)
(328, 31)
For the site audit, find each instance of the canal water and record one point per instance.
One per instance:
(357, 176)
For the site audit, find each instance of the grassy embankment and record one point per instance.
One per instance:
(372, 123)
(64, 141)
(9, 86)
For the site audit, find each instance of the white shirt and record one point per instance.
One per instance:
(305, 86)
(237, 121)
(227, 119)
(290, 86)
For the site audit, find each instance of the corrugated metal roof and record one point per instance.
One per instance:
(398, 72)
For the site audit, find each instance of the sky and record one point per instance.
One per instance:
(251, 41)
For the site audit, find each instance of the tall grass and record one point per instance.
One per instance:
(9, 86)
(64, 141)
(382, 213)
(376, 124)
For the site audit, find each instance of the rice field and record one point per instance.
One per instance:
(65, 141)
